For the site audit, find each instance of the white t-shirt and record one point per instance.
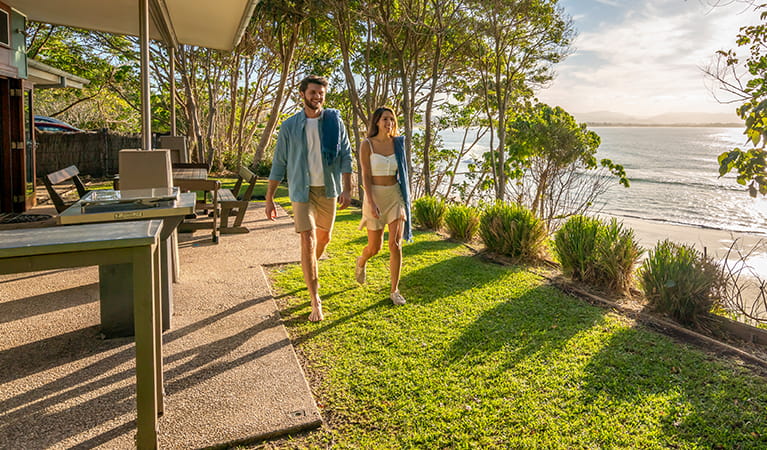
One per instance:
(316, 172)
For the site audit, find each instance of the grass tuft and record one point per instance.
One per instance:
(513, 230)
(680, 281)
(598, 253)
(429, 212)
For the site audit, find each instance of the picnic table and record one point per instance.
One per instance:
(117, 206)
(133, 245)
(192, 177)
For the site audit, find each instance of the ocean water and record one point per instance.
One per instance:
(674, 176)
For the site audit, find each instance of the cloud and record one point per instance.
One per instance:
(609, 2)
(645, 57)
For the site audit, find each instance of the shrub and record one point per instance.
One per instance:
(616, 254)
(597, 253)
(574, 245)
(679, 281)
(513, 230)
(263, 168)
(429, 212)
(462, 222)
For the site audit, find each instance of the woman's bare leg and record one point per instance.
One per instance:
(395, 252)
(375, 242)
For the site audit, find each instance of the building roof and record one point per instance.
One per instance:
(213, 24)
(45, 76)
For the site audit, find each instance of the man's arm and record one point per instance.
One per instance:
(279, 167)
(345, 199)
(271, 208)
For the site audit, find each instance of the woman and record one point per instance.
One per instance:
(387, 199)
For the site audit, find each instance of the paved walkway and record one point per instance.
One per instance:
(231, 374)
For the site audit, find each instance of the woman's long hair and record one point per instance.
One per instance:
(373, 127)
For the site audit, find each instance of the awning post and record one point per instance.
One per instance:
(146, 112)
(172, 56)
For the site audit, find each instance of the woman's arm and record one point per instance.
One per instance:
(367, 177)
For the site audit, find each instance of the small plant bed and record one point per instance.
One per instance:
(716, 334)
(486, 355)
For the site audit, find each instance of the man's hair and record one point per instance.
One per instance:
(312, 79)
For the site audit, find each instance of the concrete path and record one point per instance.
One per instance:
(231, 374)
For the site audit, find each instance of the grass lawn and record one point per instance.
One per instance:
(489, 356)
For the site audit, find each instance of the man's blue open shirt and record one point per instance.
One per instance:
(291, 158)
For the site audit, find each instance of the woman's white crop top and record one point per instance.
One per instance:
(381, 165)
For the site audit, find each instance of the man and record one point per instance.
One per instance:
(313, 150)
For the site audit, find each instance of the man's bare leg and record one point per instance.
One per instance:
(323, 238)
(309, 267)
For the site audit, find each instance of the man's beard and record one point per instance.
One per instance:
(312, 106)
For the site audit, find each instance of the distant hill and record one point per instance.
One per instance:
(607, 118)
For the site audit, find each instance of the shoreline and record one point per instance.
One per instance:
(715, 241)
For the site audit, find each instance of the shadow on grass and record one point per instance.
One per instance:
(290, 310)
(535, 324)
(327, 324)
(446, 277)
(713, 405)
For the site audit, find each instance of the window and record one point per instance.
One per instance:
(5, 36)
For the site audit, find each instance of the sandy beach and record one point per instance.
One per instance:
(716, 242)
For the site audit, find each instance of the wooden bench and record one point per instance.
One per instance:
(234, 203)
(61, 176)
(193, 177)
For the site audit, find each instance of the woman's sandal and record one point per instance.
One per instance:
(359, 272)
(397, 298)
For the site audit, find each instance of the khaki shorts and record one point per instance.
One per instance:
(318, 212)
(390, 205)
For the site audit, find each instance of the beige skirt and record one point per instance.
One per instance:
(391, 207)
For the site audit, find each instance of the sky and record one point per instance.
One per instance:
(645, 57)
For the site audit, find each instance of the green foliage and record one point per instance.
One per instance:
(553, 134)
(109, 62)
(575, 244)
(598, 253)
(681, 282)
(429, 212)
(263, 168)
(513, 230)
(462, 222)
(546, 147)
(749, 164)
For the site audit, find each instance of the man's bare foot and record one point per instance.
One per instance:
(316, 314)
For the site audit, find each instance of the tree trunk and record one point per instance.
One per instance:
(427, 138)
(274, 114)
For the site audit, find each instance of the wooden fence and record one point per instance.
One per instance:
(95, 153)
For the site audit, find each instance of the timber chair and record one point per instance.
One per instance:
(234, 203)
(193, 177)
(61, 176)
